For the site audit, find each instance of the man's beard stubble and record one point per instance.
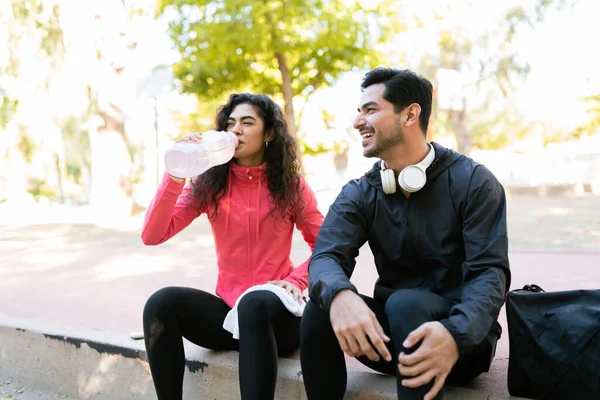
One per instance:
(382, 144)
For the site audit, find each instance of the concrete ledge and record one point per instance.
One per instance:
(87, 364)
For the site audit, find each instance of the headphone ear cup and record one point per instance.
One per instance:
(388, 181)
(412, 178)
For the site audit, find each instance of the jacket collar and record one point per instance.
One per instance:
(444, 158)
(246, 173)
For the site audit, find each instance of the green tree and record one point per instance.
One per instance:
(116, 159)
(28, 26)
(490, 60)
(33, 51)
(285, 48)
(593, 125)
(199, 120)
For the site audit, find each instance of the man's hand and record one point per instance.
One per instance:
(353, 322)
(290, 288)
(433, 360)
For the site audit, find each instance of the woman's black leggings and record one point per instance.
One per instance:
(267, 329)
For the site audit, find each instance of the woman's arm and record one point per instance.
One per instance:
(308, 220)
(169, 211)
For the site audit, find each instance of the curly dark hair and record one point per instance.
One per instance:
(283, 179)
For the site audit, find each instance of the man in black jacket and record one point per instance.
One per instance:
(436, 223)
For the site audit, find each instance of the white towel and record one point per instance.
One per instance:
(231, 320)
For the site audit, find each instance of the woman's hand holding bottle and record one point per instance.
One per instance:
(193, 137)
(197, 152)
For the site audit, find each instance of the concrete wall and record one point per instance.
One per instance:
(87, 364)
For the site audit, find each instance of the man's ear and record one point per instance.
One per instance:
(412, 114)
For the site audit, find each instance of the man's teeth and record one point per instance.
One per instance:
(366, 135)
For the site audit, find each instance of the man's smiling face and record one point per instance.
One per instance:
(378, 124)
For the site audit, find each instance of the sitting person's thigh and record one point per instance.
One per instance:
(263, 310)
(383, 366)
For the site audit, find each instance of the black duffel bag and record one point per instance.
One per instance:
(554, 342)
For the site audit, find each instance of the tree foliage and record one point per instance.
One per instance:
(593, 125)
(488, 59)
(31, 39)
(286, 47)
(27, 26)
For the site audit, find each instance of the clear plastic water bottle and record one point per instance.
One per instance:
(190, 159)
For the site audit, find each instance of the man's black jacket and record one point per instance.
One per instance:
(449, 238)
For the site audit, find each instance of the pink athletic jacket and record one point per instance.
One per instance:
(252, 248)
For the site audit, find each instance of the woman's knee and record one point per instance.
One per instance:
(160, 302)
(156, 313)
(259, 301)
(255, 309)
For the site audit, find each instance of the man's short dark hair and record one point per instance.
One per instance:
(403, 88)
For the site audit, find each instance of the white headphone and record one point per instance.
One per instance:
(411, 179)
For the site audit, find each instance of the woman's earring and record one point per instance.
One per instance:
(266, 144)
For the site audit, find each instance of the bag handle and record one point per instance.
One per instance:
(534, 288)
(530, 288)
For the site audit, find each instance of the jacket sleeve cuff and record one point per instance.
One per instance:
(463, 344)
(326, 294)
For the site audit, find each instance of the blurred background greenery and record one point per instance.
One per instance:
(92, 92)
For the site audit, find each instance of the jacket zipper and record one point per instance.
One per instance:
(406, 208)
(251, 219)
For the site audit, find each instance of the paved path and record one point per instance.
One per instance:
(554, 223)
(98, 277)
